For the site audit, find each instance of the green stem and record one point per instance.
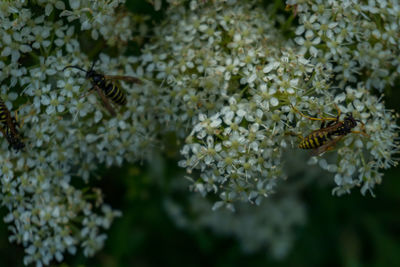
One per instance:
(244, 90)
(221, 137)
(36, 57)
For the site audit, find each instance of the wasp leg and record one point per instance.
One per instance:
(360, 132)
(362, 129)
(15, 119)
(362, 126)
(18, 122)
(90, 91)
(312, 118)
(339, 112)
(22, 121)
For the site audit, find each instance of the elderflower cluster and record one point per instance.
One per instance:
(238, 84)
(220, 75)
(358, 39)
(67, 132)
(206, 58)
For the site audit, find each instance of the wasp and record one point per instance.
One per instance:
(9, 128)
(105, 88)
(331, 132)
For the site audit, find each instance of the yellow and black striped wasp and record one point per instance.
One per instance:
(9, 128)
(106, 89)
(331, 132)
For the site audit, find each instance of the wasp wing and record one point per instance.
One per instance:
(327, 146)
(106, 103)
(123, 78)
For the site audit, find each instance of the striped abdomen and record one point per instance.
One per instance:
(3, 112)
(315, 140)
(115, 94)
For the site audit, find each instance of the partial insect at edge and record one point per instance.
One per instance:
(9, 128)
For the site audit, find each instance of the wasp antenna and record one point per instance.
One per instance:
(76, 67)
(94, 62)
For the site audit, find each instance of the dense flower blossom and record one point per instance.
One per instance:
(234, 81)
(67, 132)
(220, 75)
(360, 37)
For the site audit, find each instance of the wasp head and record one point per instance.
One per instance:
(91, 74)
(349, 121)
(94, 76)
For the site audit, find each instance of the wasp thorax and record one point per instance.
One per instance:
(350, 122)
(94, 76)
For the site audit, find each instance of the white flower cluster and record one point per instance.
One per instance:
(205, 58)
(219, 71)
(67, 132)
(100, 18)
(235, 81)
(358, 39)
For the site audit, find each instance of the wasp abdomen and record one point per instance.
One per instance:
(315, 140)
(3, 112)
(115, 94)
